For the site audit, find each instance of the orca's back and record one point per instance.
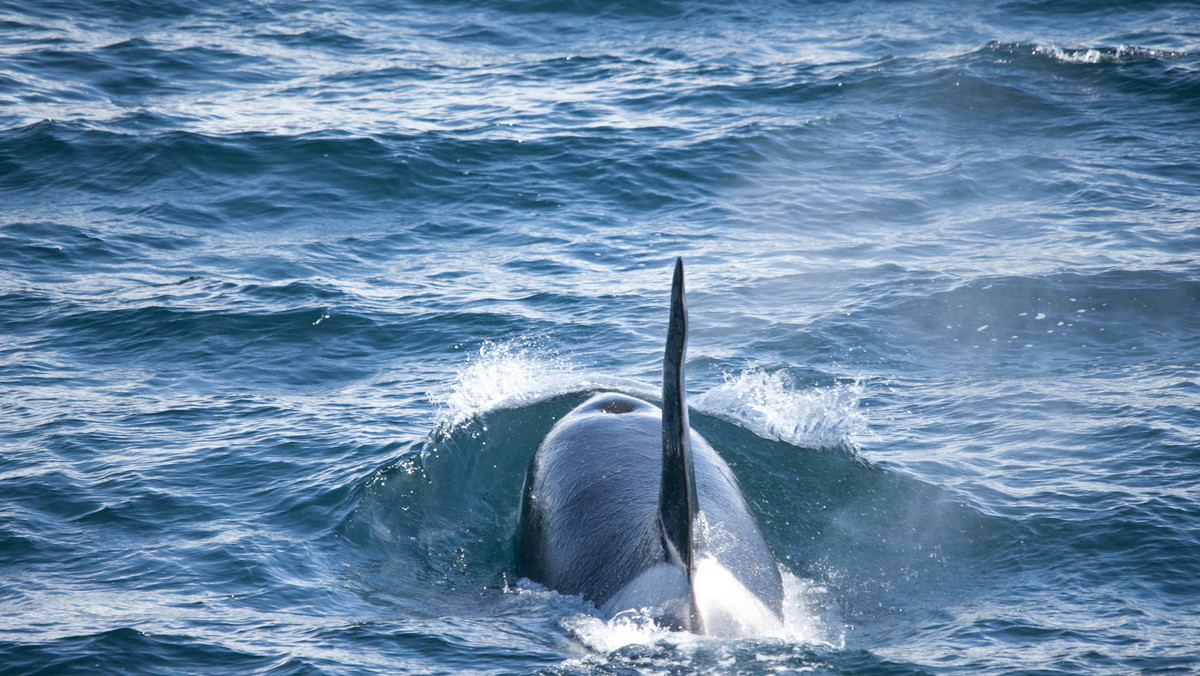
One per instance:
(589, 520)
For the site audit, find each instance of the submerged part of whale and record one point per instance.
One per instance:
(628, 506)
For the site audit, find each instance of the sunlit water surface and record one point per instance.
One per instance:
(290, 291)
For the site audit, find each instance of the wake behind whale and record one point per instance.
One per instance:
(627, 506)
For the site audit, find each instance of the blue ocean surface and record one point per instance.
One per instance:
(291, 290)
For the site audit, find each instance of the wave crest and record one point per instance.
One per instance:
(772, 406)
(502, 375)
(1119, 54)
(518, 373)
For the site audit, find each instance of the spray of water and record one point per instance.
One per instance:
(808, 619)
(518, 373)
(1119, 54)
(501, 375)
(770, 405)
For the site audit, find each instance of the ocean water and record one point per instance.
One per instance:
(290, 291)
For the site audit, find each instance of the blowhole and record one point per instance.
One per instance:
(618, 406)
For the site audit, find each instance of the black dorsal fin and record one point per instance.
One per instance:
(677, 505)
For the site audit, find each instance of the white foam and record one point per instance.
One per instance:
(502, 375)
(772, 407)
(632, 627)
(517, 373)
(1105, 55)
(809, 617)
(807, 620)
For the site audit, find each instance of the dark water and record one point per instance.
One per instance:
(289, 292)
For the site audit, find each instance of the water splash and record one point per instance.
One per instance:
(517, 373)
(632, 627)
(770, 405)
(1118, 54)
(502, 375)
(809, 619)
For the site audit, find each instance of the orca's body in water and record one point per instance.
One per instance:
(627, 506)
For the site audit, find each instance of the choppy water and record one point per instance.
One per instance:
(289, 292)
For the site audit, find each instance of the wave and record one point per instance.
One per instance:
(1119, 54)
(436, 527)
(521, 372)
(769, 404)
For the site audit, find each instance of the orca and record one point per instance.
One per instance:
(627, 506)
